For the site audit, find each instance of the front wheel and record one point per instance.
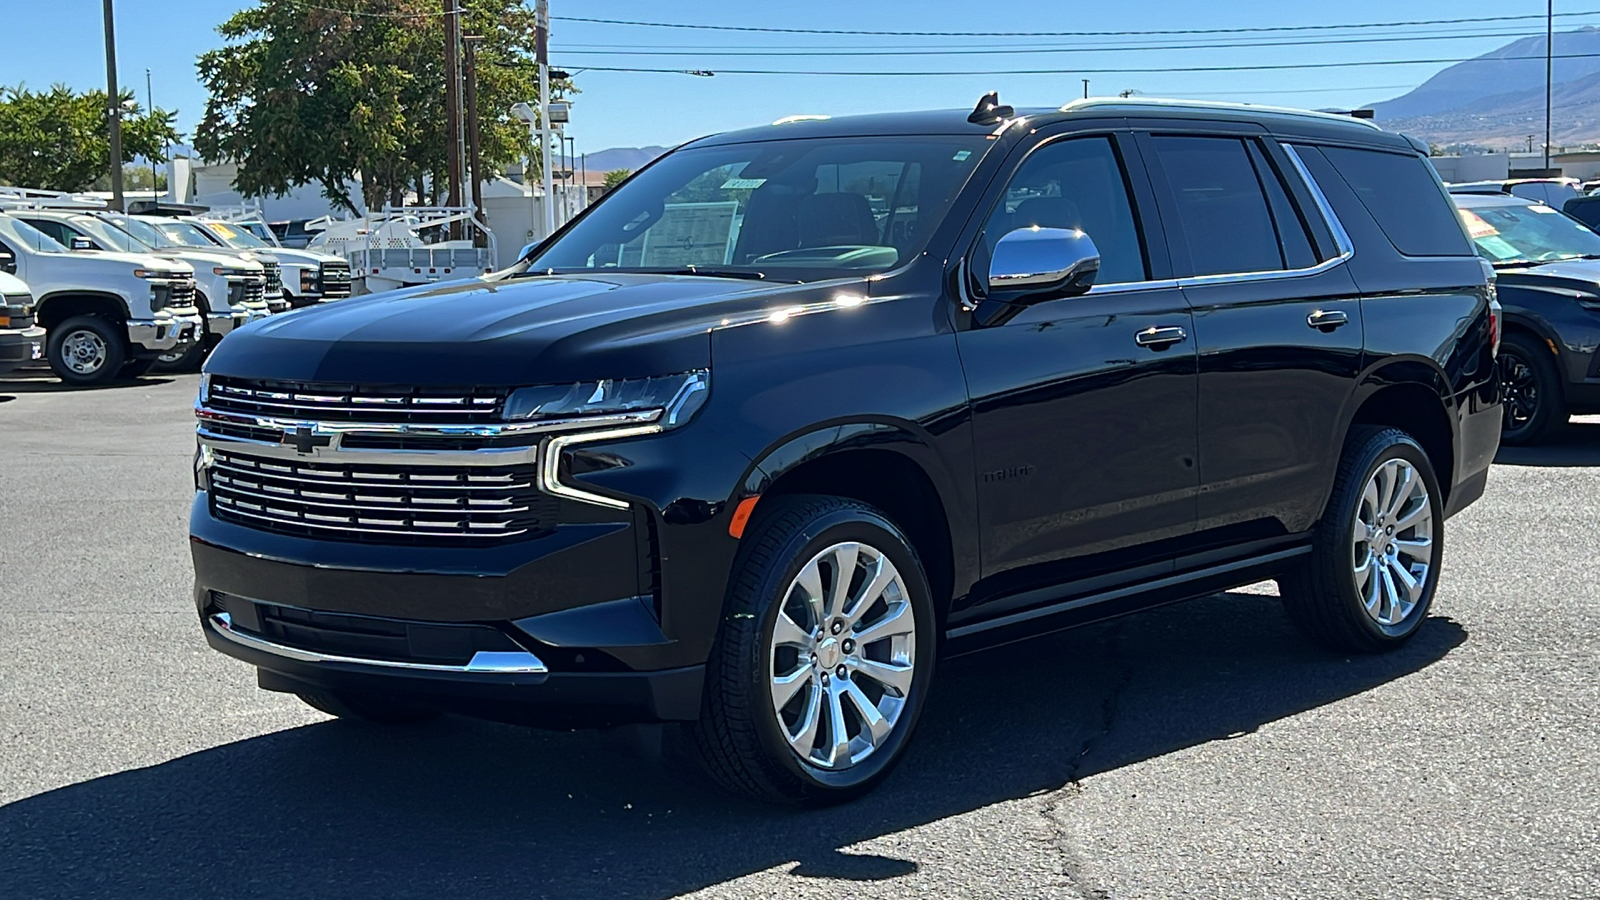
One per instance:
(1530, 386)
(824, 656)
(1374, 563)
(85, 351)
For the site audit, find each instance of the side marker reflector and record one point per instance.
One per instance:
(741, 516)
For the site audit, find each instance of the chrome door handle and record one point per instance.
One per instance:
(1160, 338)
(1327, 320)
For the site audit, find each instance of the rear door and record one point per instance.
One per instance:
(1277, 322)
(1084, 430)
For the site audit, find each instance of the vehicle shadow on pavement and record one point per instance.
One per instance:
(49, 384)
(461, 807)
(1578, 445)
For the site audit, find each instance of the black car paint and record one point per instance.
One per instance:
(1559, 303)
(1176, 491)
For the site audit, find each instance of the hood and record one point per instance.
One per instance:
(302, 257)
(205, 260)
(1572, 274)
(516, 331)
(11, 285)
(125, 262)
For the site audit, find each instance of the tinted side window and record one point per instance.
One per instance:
(1220, 205)
(1293, 238)
(1076, 183)
(1402, 195)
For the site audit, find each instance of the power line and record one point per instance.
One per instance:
(1260, 29)
(1096, 71)
(780, 53)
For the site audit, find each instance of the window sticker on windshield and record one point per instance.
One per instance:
(743, 184)
(1476, 226)
(962, 155)
(1546, 210)
(226, 232)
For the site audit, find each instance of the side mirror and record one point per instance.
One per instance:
(526, 249)
(8, 263)
(79, 242)
(1062, 262)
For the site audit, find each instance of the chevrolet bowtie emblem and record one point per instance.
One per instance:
(304, 442)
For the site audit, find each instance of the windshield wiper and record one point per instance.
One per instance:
(708, 272)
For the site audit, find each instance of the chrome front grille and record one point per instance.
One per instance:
(357, 403)
(274, 279)
(180, 294)
(333, 281)
(254, 292)
(437, 505)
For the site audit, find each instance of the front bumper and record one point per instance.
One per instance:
(161, 335)
(221, 323)
(18, 347)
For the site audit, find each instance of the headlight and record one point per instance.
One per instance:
(230, 272)
(675, 398)
(156, 274)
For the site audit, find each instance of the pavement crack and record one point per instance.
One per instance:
(1109, 706)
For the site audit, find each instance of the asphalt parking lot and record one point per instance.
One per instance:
(1201, 750)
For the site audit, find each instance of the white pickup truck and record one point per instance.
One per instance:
(107, 315)
(309, 277)
(21, 341)
(231, 286)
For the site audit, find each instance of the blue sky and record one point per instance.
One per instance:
(60, 41)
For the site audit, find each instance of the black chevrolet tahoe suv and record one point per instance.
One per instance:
(796, 410)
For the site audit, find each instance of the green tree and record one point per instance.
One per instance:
(315, 95)
(615, 177)
(61, 141)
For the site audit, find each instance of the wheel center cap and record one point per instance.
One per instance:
(828, 653)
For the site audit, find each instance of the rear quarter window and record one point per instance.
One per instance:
(1403, 195)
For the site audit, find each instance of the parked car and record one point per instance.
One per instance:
(310, 276)
(21, 340)
(230, 285)
(1548, 277)
(732, 452)
(1549, 191)
(108, 315)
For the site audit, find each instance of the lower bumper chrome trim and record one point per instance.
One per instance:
(484, 662)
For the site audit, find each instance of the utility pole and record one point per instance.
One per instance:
(541, 50)
(113, 109)
(1549, 68)
(1086, 89)
(452, 104)
(474, 157)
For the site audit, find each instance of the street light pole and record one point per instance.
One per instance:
(150, 109)
(113, 109)
(1549, 83)
(541, 18)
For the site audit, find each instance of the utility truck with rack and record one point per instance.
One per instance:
(406, 247)
(309, 276)
(107, 315)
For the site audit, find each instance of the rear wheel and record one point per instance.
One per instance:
(85, 350)
(372, 708)
(824, 656)
(1374, 564)
(1530, 386)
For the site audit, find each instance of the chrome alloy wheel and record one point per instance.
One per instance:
(1393, 541)
(84, 352)
(843, 655)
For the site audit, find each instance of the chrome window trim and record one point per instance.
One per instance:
(484, 662)
(1341, 238)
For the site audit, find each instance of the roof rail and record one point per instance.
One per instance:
(1146, 103)
(37, 198)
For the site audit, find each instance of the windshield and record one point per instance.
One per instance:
(109, 237)
(793, 210)
(146, 233)
(235, 237)
(1520, 234)
(185, 234)
(29, 236)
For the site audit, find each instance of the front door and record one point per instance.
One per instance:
(1084, 428)
(1277, 327)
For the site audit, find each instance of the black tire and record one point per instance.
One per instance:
(134, 368)
(739, 738)
(1321, 595)
(370, 708)
(1534, 403)
(68, 345)
(188, 359)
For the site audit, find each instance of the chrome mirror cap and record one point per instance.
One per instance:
(1036, 258)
